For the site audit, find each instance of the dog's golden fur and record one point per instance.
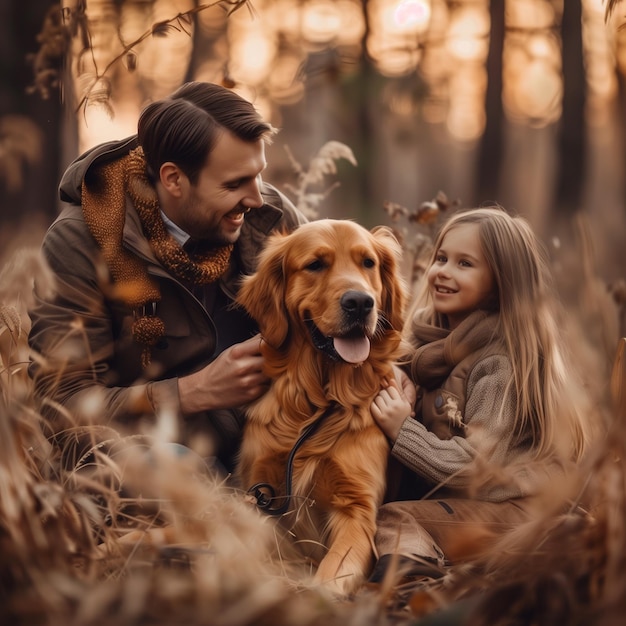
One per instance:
(346, 280)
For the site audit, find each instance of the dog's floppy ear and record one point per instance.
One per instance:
(263, 293)
(394, 288)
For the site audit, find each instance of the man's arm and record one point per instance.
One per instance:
(71, 338)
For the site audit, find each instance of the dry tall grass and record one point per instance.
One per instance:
(131, 532)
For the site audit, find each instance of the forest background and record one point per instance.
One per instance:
(413, 104)
(520, 102)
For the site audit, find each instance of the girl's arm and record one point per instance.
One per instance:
(489, 416)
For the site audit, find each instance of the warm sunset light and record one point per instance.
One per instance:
(252, 54)
(412, 15)
(395, 34)
(468, 34)
(265, 50)
(321, 21)
(100, 126)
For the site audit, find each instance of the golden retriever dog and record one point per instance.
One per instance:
(329, 302)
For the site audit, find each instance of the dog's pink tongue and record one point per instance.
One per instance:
(352, 350)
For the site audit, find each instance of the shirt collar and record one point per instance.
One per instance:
(176, 231)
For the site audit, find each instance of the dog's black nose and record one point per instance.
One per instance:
(357, 304)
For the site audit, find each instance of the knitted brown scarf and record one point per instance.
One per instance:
(104, 209)
(439, 350)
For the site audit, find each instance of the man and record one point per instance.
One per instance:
(147, 253)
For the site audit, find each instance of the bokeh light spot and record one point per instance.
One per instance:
(412, 14)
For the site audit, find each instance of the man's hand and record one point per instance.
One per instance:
(234, 378)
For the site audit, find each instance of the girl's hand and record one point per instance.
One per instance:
(405, 384)
(390, 408)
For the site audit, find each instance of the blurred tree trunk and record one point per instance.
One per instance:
(19, 27)
(362, 100)
(197, 48)
(368, 96)
(621, 104)
(490, 152)
(572, 143)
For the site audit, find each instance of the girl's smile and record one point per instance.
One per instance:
(460, 278)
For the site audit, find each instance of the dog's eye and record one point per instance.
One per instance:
(315, 266)
(369, 263)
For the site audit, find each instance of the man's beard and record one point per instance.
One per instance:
(216, 235)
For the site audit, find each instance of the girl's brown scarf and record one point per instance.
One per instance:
(439, 350)
(104, 208)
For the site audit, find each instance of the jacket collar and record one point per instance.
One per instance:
(82, 167)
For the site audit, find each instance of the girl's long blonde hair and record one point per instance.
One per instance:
(528, 325)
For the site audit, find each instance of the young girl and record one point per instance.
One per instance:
(492, 417)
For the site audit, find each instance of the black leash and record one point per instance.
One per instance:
(265, 493)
